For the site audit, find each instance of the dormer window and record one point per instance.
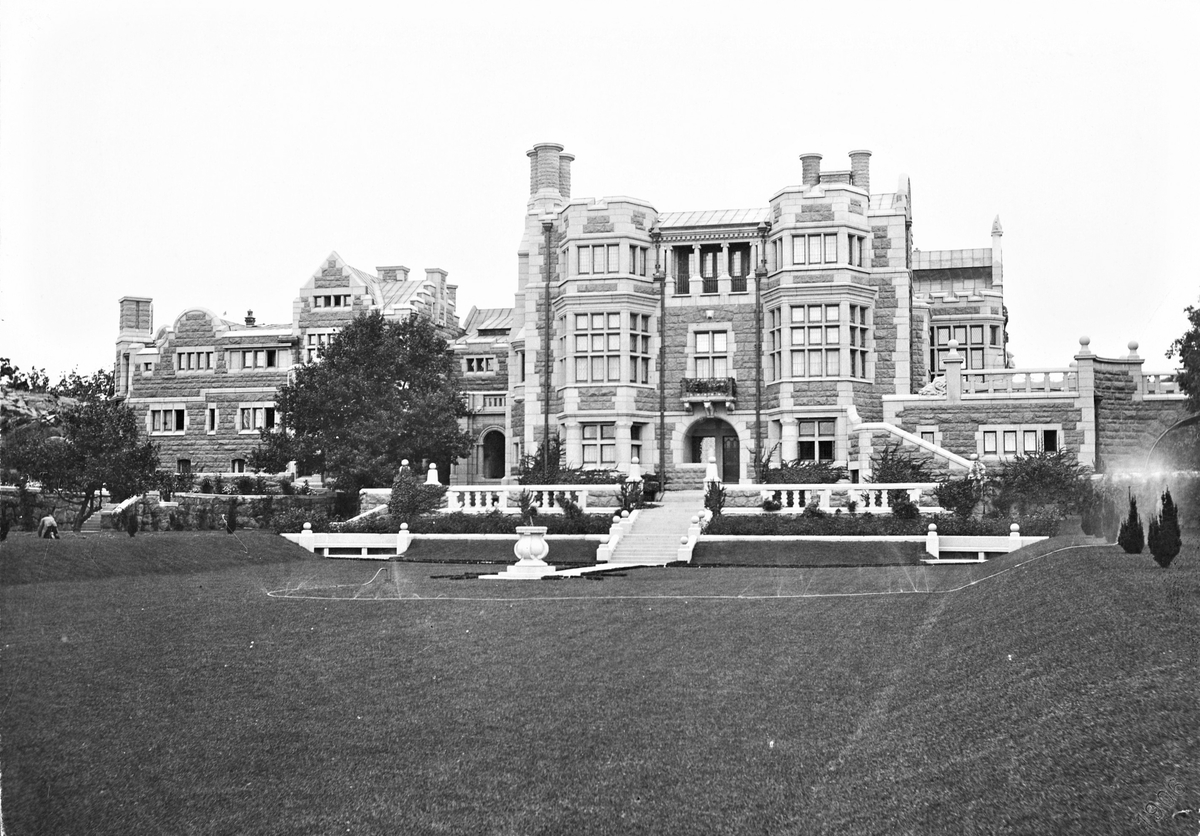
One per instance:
(255, 359)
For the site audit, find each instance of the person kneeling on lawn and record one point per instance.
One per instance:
(48, 527)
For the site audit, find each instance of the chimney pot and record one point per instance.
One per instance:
(249, 318)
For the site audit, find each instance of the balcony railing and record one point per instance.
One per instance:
(1045, 382)
(1162, 383)
(707, 388)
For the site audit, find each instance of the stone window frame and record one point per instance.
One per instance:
(282, 352)
(641, 347)
(730, 344)
(598, 443)
(774, 344)
(611, 357)
(201, 360)
(710, 355)
(844, 345)
(161, 411)
(331, 300)
(212, 418)
(323, 335)
(969, 349)
(997, 433)
(479, 365)
(923, 430)
(817, 438)
(254, 429)
(612, 253)
(821, 239)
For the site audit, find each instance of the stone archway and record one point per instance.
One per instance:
(715, 437)
(492, 455)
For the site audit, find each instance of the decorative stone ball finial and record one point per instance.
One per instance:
(683, 541)
(1133, 347)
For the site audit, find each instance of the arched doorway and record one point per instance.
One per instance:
(715, 437)
(493, 455)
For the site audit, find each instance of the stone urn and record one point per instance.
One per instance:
(531, 547)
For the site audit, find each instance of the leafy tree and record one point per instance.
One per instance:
(380, 392)
(11, 377)
(1164, 537)
(99, 385)
(1131, 537)
(1188, 349)
(96, 445)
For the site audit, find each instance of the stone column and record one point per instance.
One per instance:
(790, 437)
(697, 267)
(723, 278)
(1085, 401)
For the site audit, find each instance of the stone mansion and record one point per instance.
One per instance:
(636, 333)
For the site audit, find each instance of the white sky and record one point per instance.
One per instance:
(211, 154)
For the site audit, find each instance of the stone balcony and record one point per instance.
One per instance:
(707, 391)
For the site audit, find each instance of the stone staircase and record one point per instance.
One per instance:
(654, 538)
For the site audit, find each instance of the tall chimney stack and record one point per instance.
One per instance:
(860, 170)
(812, 168)
(544, 167)
(564, 175)
(249, 319)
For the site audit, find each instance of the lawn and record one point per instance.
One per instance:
(1054, 696)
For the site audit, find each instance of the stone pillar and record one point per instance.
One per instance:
(953, 363)
(790, 438)
(724, 281)
(997, 255)
(696, 267)
(1085, 400)
(574, 442)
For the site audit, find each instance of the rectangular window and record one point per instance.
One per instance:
(1029, 441)
(635, 442)
(183, 467)
(775, 343)
(927, 436)
(639, 348)
(989, 443)
(210, 420)
(1050, 441)
(712, 354)
(970, 345)
(167, 420)
(799, 248)
(332, 301)
(255, 359)
(193, 361)
(597, 342)
(814, 249)
(599, 444)
(252, 418)
(480, 365)
(817, 438)
(1010, 442)
(818, 335)
(238, 465)
(314, 345)
(585, 260)
(830, 249)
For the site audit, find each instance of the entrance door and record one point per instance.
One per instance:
(493, 455)
(730, 453)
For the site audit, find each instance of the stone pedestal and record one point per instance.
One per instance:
(531, 549)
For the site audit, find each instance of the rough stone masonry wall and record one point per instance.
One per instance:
(1126, 429)
(959, 423)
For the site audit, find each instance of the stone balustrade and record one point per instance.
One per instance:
(481, 499)
(1021, 382)
(1161, 383)
(868, 498)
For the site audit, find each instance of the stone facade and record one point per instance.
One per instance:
(206, 385)
(629, 304)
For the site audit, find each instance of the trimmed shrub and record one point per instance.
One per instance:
(804, 473)
(131, 520)
(292, 521)
(771, 505)
(412, 498)
(903, 508)
(1055, 482)
(1131, 537)
(959, 496)
(1164, 537)
(870, 524)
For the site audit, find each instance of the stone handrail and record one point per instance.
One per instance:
(1161, 383)
(1043, 382)
(869, 498)
(915, 440)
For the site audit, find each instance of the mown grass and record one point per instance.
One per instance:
(810, 554)
(190, 702)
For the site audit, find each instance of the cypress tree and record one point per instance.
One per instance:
(1165, 537)
(1131, 536)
